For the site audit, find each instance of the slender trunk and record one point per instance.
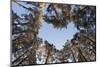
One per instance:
(73, 55)
(21, 58)
(81, 56)
(47, 57)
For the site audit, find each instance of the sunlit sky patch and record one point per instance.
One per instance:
(56, 36)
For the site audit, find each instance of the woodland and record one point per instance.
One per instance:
(29, 49)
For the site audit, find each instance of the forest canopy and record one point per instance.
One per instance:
(29, 49)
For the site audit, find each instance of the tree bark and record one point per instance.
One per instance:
(81, 56)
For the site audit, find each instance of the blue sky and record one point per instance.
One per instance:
(56, 36)
(48, 32)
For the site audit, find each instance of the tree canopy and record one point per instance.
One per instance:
(27, 46)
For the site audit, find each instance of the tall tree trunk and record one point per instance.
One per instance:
(73, 55)
(81, 57)
(48, 53)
